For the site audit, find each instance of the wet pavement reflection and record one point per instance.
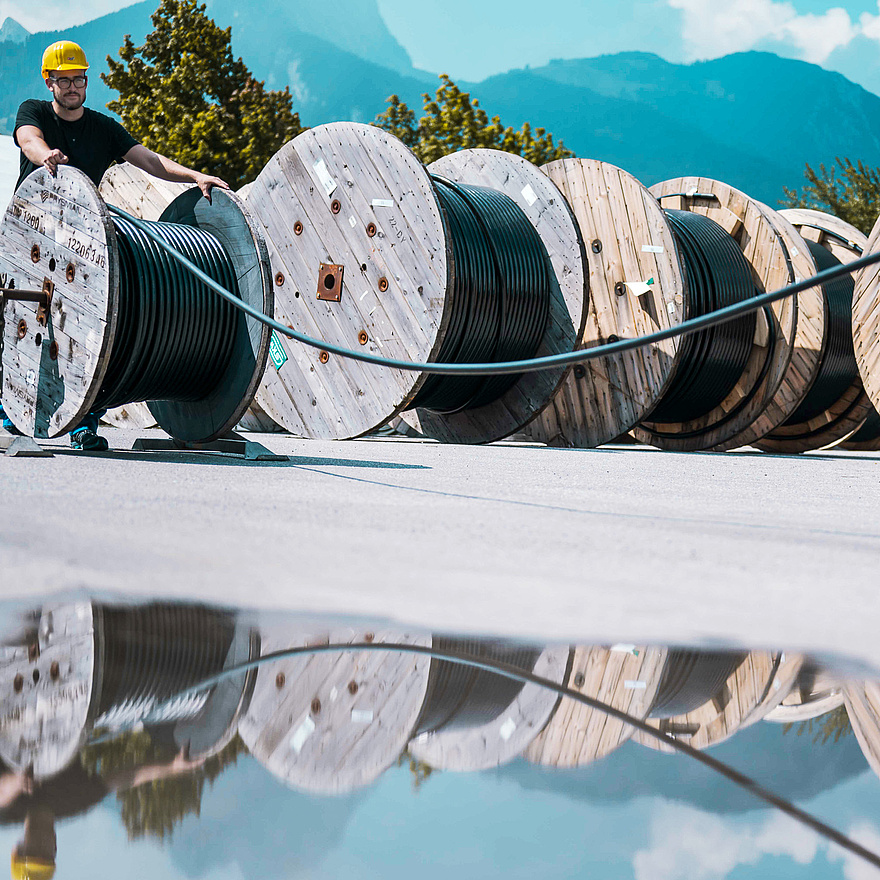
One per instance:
(182, 740)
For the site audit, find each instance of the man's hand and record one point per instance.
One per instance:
(53, 160)
(206, 183)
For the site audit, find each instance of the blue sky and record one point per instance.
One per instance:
(472, 39)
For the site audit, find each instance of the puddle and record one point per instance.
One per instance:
(171, 740)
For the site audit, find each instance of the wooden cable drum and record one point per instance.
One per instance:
(835, 405)
(866, 342)
(625, 677)
(195, 358)
(473, 720)
(706, 697)
(331, 723)
(146, 197)
(765, 390)
(862, 701)
(636, 287)
(372, 252)
(815, 692)
(547, 210)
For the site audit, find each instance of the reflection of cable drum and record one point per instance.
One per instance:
(757, 683)
(815, 692)
(862, 701)
(472, 719)
(333, 722)
(625, 677)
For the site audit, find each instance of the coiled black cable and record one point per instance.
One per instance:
(711, 361)
(869, 431)
(837, 369)
(500, 294)
(174, 336)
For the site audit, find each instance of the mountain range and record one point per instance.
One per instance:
(751, 119)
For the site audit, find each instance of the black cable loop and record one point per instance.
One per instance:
(174, 336)
(500, 295)
(837, 367)
(869, 431)
(711, 361)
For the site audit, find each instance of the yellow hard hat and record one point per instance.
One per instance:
(64, 55)
(30, 868)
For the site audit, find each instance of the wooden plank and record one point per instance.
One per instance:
(331, 723)
(862, 703)
(815, 692)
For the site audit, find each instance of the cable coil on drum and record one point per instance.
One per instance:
(501, 294)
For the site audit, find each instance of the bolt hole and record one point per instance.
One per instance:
(316, 706)
(52, 264)
(296, 294)
(279, 680)
(36, 675)
(363, 267)
(38, 339)
(54, 669)
(369, 637)
(579, 680)
(580, 372)
(329, 282)
(352, 687)
(53, 350)
(71, 272)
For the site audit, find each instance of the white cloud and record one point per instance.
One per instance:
(711, 29)
(854, 868)
(688, 844)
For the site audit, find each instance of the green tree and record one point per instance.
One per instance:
(832, 726)
(851, 192)
(183, 95)
(452, 121)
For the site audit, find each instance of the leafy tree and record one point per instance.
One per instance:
(183, 95)
(155, 807)
(419, 769)
(832, 726)
(452, 121)
(851, 192)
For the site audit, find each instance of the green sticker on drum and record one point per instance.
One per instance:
(277, 352)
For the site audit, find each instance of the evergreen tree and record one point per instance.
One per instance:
(183, 95)
(452, 121)
(851, 192)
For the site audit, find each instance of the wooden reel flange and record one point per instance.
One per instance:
(814, 693)
(332, 723)
(756, 687)
(625, 677)
(636, 288)
(866, 328)
(548, 211)
(849, 412)
(505, 736)
(761, 398)
(57, 233)
(362, 258)
(862, 701)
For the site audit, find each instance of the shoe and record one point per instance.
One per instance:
(87, 440)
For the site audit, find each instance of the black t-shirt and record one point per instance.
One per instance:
(92, 143)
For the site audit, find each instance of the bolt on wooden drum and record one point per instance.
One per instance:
(474, 719)
(625, 677)
(334, 722)
(704, 698)
(362, 244)
(866, 342)
(835, 405)
(57, 235)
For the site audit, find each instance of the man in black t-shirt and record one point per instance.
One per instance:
(64, 132)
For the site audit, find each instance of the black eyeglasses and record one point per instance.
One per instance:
(65, 82)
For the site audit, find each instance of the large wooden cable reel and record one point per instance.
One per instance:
(362, 257)
(866, 334)
(57, 233)
(334, 722)
(625, 677)
(848, 413)
(716, 708)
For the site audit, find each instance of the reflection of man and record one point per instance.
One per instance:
(64, 132)
(70, 793)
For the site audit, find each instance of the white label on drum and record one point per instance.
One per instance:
(302, 733)
(507, 729)
(795, 252)
(324, 177)
(625, 649)
(638, 288)
(635, 685)
(352, 221)
(670, 307)
(529, 195)
(653, 249)
(31, 377)
(361, 716)
(333, 695)
(383, 203)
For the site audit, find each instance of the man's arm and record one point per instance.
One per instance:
(166, 169)
(32, 144)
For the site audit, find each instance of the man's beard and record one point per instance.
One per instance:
(72, 101)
